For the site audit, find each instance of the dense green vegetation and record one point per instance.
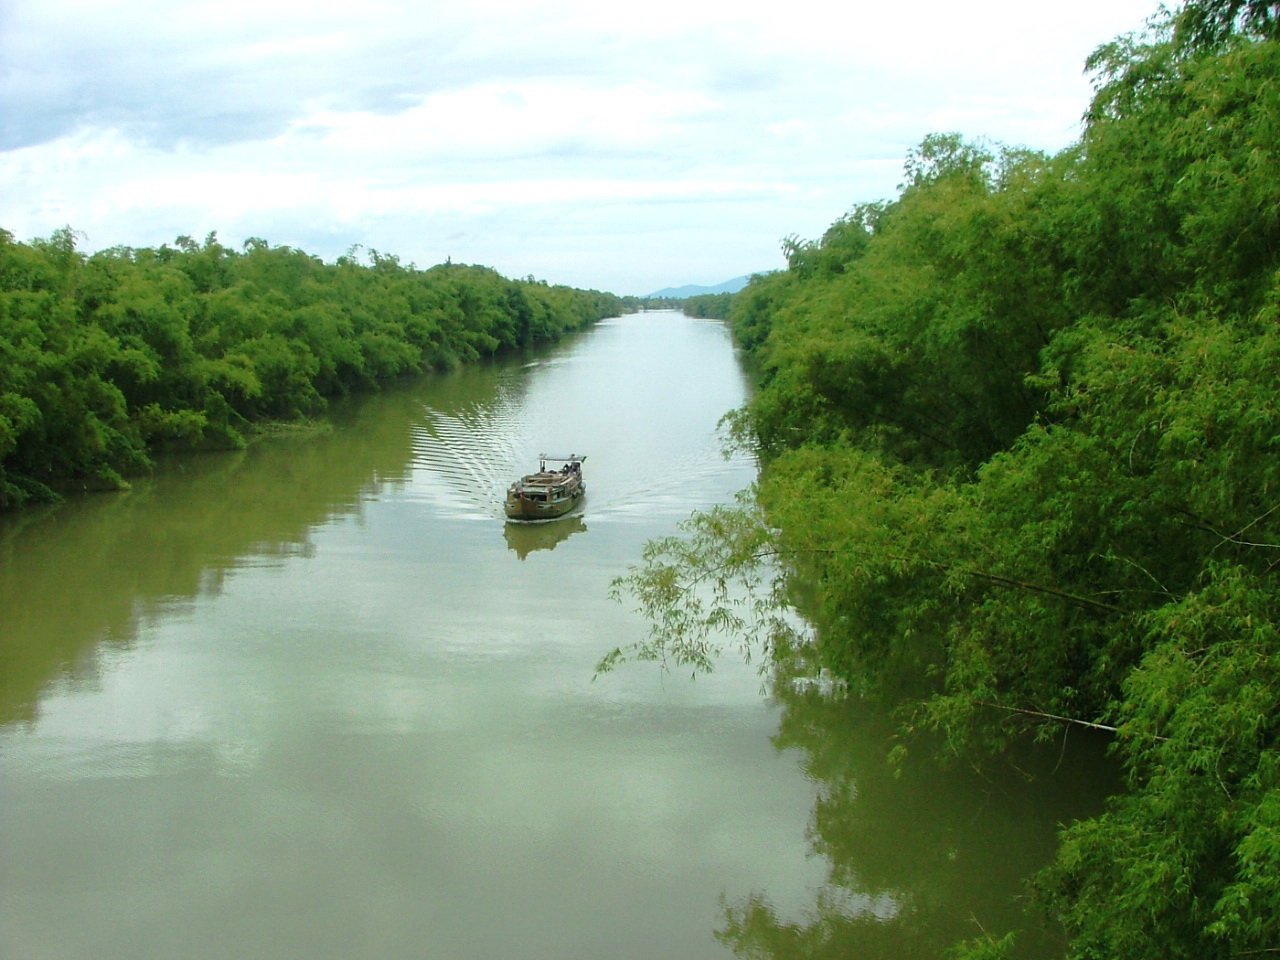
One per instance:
(714, 306)
(105, 359)
(1020, 430)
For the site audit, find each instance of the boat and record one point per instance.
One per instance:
(547, 494)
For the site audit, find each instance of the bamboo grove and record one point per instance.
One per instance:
(1020, 436)
(106, 359)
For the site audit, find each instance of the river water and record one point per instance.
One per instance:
(316, 700)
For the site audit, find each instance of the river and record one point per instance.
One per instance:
(316, 700)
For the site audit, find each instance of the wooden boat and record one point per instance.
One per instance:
(547, 494)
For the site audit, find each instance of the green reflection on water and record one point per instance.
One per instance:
(88, 571)
(318, 706)
(923, 855)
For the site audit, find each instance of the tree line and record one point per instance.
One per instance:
(708, 306)
(1020, 436)
(107, 359)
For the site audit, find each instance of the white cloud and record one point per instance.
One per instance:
(594, 144)
(506, 120)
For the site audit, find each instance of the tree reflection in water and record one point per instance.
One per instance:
(924, 855)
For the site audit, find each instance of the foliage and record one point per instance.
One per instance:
(105, 359)
(1022, 468)
(713, 306)
(709, 585)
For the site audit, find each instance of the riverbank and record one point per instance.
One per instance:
(106, 359)
(1019, 432)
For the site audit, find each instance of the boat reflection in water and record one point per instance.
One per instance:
(524, 538)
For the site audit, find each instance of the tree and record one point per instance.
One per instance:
(1020, 472)
(105, 358)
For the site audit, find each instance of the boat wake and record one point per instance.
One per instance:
(465, 455)
(674, 488)
(464, 460)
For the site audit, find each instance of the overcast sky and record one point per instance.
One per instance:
(623, 147)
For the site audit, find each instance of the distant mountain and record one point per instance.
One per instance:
(692, 290)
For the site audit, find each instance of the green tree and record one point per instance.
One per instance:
(1020, 432)
(105, 358)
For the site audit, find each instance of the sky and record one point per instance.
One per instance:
(612, 146)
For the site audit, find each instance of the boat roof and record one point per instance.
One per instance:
(572, 458)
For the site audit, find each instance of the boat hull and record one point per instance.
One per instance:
(518, 508)
(547, 494)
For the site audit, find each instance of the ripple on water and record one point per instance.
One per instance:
(463, 460)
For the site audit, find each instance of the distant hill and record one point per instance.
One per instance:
(692, 290)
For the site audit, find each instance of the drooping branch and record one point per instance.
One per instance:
(1087, 602)
(1237, 538)
(674, 569)
(1003, 581)
(1089, 724)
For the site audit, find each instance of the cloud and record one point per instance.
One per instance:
(539, 132)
